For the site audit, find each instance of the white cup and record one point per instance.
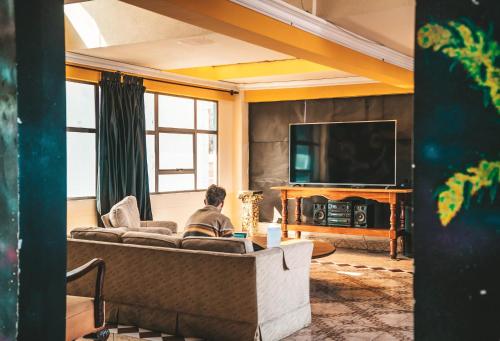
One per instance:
(273, 235)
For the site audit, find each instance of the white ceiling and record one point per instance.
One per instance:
(387, 22)
(144, 38)
(120, 32)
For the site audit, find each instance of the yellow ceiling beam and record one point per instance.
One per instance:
(317, 92)
(228, 18)
(249, 70)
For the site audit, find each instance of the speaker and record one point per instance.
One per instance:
(363, 215)
(319, 214)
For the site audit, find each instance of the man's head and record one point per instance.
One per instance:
(215, 196)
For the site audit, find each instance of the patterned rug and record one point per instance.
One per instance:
(358, 302)
(354, 296)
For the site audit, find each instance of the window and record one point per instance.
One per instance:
(182, 143)
(81, 121)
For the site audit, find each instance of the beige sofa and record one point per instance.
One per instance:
(260, 295)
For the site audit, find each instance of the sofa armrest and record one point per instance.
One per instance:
(283, 278)
(160, 223)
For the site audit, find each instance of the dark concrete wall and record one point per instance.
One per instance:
(42, 169)
(268, 125)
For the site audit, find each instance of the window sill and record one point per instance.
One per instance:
(80, 198)
(175, 192)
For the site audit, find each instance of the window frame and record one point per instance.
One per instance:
(156, 133)
(194, 131)
(88, 130)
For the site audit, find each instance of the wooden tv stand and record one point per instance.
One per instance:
(393, 197)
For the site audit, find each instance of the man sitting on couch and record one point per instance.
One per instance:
(209, 221)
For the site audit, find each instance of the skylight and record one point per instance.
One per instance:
(85, 25)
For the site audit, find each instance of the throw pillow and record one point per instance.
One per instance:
(125, 213)
(106, 221)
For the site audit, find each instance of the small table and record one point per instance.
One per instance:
(320, 248)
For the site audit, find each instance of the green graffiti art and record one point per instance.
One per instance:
(476, 51)
(459, 189)
(471, 47)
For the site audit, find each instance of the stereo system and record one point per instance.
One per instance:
(342, 213)
(339, 213)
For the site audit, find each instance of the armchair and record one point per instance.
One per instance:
(85, 315)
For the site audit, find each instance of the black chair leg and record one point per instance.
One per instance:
(101, 335)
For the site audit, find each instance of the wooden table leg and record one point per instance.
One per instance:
(393, 246)
(298, 215)
(284, 214)
(402, 225)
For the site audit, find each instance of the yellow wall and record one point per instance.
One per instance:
(81, 213)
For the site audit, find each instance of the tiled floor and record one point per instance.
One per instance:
(135, 334)
(355, 295)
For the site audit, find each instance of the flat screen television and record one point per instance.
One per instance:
(343, 153)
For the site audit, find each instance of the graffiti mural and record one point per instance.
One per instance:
(470, 46)
(457, 170)
(8, 176)
(476, 51)
(459, 189)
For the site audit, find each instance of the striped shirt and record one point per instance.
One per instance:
(208, 222)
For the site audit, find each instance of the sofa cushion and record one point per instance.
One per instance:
(157, 230)
(79, 316)
(160, 223)
(151, 239)
(125, 213)
(113, 235)
(227, 245)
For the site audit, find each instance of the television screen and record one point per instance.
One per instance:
(343, 153)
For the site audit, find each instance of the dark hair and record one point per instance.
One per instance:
(215, 195)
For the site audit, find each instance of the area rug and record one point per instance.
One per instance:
(358, 302)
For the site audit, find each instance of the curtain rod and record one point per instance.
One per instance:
(232, 92)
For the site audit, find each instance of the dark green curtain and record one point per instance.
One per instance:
(122, 160)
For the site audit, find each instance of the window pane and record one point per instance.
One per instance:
(149, 109)
(206, 115)
(206, 154)
(175, 112)
(175, 182)
(150, 151)
(176, 151)
(81, 164)
(80, 105)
